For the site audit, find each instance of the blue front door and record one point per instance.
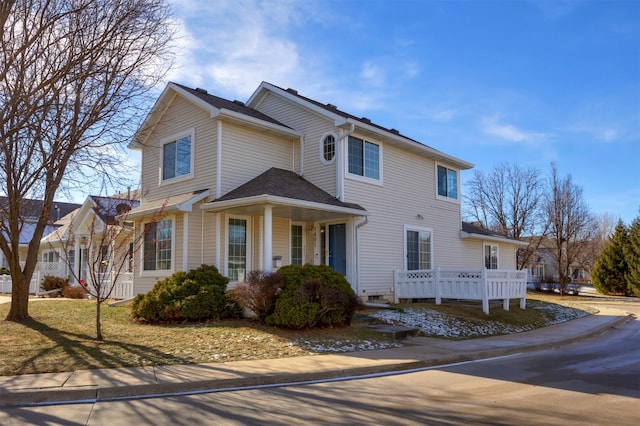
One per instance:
(338, 247)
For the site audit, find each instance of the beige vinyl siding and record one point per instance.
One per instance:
(313, 126)
(181, 116)
(281, 235)
(247, 153)
(208, 239)
(408, 191)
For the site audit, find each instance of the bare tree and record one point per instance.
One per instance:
(111, 242)
(508, 200)
(74, 78)
(570, 224)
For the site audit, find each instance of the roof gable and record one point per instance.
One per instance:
(286, 184)
(362, 124)
(216, 106)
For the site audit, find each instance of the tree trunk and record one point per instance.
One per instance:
(19, 310)
(98, 326)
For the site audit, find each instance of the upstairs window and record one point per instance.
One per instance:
(364, 158)
(177, 157)
(328, 148)
(447, 183)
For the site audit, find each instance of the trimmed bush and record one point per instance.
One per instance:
(313, 295)
(258, 293)
(197, 295)
(4, 271)
(73, 292)
(49, 282)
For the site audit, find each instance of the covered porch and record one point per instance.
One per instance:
(280, 218)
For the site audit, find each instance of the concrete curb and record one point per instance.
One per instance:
(95, 393)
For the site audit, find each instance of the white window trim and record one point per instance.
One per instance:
(335, 147)
(364, 179)
(160, 272)
(291, 223)
(189, 132)
(443, 198)
(490, 244)
(417, 229)
(226, 243)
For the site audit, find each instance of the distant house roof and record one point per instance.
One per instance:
(285, 184)
(30, 209)
(470, 230)
(108, 208)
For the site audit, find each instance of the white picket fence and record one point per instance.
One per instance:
(123, 288)
(34, 285)
(464, 284)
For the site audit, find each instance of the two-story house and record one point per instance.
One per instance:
(284, 179)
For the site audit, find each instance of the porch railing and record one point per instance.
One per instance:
(468, 284)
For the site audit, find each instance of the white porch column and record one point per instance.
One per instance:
(76, 260)
(268, 238)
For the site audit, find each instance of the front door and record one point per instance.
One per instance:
(337, 247)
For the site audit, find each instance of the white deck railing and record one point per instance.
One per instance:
(469, 284)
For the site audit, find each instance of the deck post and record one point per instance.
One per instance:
(438, 283)
(485, 292)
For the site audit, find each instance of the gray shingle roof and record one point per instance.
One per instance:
(286, 184)
(235, 106)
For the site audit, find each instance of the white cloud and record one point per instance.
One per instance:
(494, 127)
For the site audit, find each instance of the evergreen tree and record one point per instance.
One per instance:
(632, 255)
(610, 270)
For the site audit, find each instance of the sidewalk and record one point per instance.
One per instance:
(109, 384)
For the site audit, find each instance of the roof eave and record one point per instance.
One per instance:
(470, 235)
(224, 113)
(216, 206)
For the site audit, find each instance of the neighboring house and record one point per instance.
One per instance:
(81, 238)
(284, 179)
(29, 213)
(543, 267)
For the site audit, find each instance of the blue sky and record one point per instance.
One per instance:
(529, 82)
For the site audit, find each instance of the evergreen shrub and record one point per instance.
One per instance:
(197, 295)
(313, 295)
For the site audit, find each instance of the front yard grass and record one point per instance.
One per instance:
(61, 336)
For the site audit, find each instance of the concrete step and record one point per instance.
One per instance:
(395, 332)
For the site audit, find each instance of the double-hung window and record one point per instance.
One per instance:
(157, 245)
(237, 249)
(296, 244)
(447, 182)
(490, 256)
(177, 157)
(364, 158)
(418, 248)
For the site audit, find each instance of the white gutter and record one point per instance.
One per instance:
(280, 201)
(302, 155)
(467, 235)
(227, 113)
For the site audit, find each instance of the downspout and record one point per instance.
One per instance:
(340, 162)
(301, 156)
(358, 226)
(219, 160)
